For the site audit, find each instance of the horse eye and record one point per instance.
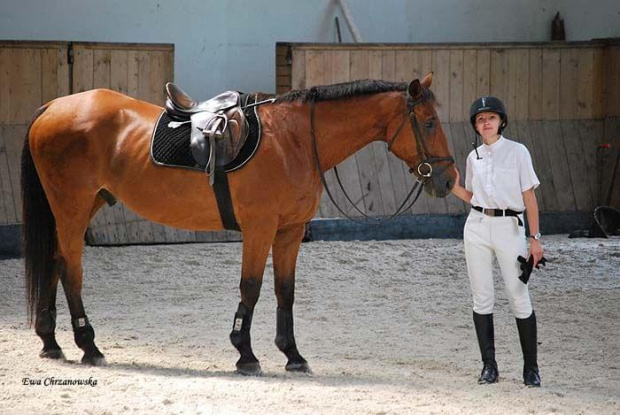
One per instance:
(429, 124)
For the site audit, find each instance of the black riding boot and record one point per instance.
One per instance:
(529, 345)
(486, 341)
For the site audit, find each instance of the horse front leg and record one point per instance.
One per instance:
(256, 244)
(285, 251)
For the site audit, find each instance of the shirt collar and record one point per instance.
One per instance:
(495, 146)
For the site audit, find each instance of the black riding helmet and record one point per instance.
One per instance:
(488, 104)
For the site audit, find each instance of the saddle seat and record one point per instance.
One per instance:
(219, 127)
(181, 105)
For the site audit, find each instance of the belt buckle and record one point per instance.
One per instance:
(489, 212)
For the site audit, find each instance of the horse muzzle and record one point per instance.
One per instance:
(438, 180)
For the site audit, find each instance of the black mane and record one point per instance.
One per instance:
(343, 90)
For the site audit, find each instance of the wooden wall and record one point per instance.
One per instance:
(31, 73)
(562, 100)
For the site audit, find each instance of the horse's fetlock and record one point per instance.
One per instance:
(46, 322)
(83, 332)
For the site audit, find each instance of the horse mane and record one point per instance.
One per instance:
(342, 91)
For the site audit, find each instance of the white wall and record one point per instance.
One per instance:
(231, 44)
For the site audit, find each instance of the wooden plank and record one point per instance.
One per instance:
(499, 77)
(519, 89)
(483, 72)
(82, 69)
(7, 208)
(609, 189)
(119, 71)
(601, 70)
(102, 68)
(49, 74)
(64, 79)
(157, 78)
(299, 69)
(535, 85)
(469, 82)
(613, 82)
(456, 86)
(512, 74)
(97, 230)
(585, 84)
(592, 133)
(553, 142)
(144, 77)
(133, 73)
(5, 85)
(406, 64)
(523, 131)
(540, 156)
(14, 139)
(551, 84)
(569, 78)
(578, 170)
(25, 84)
(441, 82)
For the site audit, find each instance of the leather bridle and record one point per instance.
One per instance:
(425, 160)
(424, 168)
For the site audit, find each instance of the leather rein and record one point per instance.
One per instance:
(424, 168)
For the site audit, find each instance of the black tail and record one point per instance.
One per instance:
(38, 228)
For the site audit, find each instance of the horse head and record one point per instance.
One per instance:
(419, 140)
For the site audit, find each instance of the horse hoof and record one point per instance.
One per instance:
(55, 354)
(249, 369)
(94, 361)
(299, 367)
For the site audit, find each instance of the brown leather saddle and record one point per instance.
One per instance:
(219, 127)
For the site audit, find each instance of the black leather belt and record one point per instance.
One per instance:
(500, 212)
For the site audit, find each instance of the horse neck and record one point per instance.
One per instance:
(342, 127)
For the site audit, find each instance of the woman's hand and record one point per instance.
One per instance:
(536, 250)
(458, 190)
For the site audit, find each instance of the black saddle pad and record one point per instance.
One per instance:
(170, 146)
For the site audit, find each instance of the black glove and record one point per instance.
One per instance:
(528, 265)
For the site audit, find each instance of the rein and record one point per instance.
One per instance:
(419, 184)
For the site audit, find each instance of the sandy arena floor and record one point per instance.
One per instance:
(386, 327)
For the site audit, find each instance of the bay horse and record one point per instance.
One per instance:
(82, 147)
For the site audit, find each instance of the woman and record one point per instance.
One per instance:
(499, 184)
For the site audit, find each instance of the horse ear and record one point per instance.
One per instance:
(427, 80)
(415, 89)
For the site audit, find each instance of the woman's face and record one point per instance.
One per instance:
(487, 124)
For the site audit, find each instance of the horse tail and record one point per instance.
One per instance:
(38, 228)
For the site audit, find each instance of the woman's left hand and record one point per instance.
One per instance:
(536, 250)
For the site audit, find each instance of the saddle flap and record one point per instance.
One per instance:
(230, 130)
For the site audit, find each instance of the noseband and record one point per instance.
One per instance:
(426, 163)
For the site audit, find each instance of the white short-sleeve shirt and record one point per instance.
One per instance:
(500, 177)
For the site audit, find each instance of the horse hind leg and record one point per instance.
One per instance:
(285, 251)
(45, 323)
(71, 227)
